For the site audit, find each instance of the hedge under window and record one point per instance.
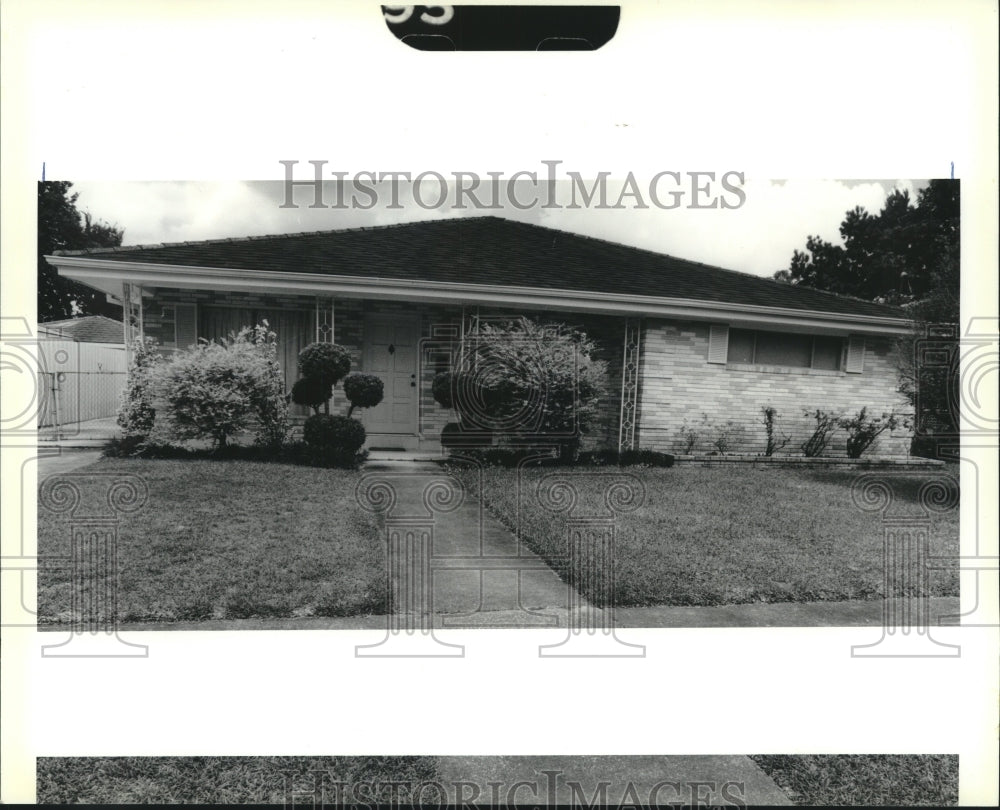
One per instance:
(784, 349)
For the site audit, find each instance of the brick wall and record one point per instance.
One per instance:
(678, 383)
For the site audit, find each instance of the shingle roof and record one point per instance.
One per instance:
(492, 250)
(88, 329)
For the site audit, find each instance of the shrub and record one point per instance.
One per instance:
(136, 413)
(727, 435)
(268, 393)
(363, 391)
(862, 431)
(311, 392)
(213, 390)
(441, 389)
(334, 439)
(325, 362)
(322, 366)
(128, 446)
(626, 458)
(826, 423)
(690, 435)
(453, 435)
(774, 444)
(523, 377)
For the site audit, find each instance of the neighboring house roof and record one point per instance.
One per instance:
(87, 329)
(491, 251)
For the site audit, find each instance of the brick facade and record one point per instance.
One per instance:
(678, 383)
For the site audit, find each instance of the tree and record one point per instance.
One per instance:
(890, 257)
(932, 388)
(62, 227)
(906, 255)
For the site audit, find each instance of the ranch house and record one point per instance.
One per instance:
(685, 343)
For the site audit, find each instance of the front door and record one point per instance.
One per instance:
(391, 355)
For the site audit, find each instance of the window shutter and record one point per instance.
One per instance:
(185, 326)
(855, 362)
(718, 343)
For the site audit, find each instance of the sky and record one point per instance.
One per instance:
(757, 237)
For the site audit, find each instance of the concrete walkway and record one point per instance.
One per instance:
(65, 461)
(582, 781)
(93, 433)
(479, 570)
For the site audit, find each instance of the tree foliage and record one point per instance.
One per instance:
(62, 227)
(908, 255)
(890, 257)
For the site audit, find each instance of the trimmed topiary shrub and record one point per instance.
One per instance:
(325, 362)
(311, 392)
(334, 439)
(363, 390)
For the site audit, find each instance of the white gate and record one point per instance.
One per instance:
(79, 381)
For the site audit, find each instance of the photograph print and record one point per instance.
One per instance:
(583, 403)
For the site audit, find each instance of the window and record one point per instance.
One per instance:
(784, 349)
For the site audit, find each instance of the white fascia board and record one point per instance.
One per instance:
(103, 274)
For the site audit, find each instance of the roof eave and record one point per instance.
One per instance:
(104, 275)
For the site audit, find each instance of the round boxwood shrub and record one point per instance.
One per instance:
(441, 389)
(325, 362)
(363, 390)
(334, 439)
(312, 392)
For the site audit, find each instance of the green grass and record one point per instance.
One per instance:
(223, 780)
(227, 540)
(865, 781)
(725, 535)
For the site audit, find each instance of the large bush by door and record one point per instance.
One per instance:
(217, 389)
(525, 381)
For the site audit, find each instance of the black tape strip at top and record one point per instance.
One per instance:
(503, 28)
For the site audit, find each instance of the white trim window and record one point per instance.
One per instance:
(790, 350)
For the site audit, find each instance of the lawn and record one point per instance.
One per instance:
(724, 535)
(228, 780)
(228, 540)
(865, 781)
(862, 781)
